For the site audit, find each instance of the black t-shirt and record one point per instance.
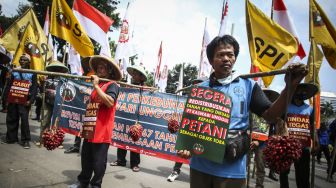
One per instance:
(113, 91)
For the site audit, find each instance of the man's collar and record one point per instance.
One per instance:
(213, 81)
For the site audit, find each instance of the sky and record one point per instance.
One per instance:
(179, 24)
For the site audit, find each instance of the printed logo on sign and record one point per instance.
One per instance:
(68, 91)
(238, 91)
(198, 148)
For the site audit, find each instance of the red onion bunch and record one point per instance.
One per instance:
(136, 131)
(173, 125)
(52, 138)
(281, 152)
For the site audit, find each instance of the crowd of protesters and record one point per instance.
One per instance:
(222, 53)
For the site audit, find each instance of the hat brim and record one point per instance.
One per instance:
(271, 94)
(309, 88)
(97, 59)
(86, 65)
(56, 66)
(132, 70)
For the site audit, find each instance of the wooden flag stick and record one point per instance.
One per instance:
(252, 75)
(49, 73)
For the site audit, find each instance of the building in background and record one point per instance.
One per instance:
(329, 97)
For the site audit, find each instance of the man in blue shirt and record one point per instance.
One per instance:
(246, 96)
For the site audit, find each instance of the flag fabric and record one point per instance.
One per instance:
(125, 48)
(314, 64)
(323, 32)
(75, 62)
(11, 37)
(95, 23)
(271, 46)
(163, 79)
(46, 32)
(281, 16)
(204, 66)
(64, 25)
(224, 18)
(254, 69)
(28, 44)
(158, 66)
(180, 83)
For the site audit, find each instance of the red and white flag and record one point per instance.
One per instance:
(157, 70)
(95, 23)
(46, 32)
(224, 18)
(204, 66)
(125, 48)
(280, 16)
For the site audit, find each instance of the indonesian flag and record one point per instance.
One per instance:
(46, 31)
(224, 18)
(95, 23)
(204, 66)
(280, 15)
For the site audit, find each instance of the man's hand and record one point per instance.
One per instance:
(254, 144)
(184, 153)
(95, 80)
(297, 71)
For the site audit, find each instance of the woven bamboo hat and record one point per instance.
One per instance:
(137, 68)
(97, 59)
(56, 66)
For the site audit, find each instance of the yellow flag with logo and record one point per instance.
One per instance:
(318, 57)
(66, 26)
(28, 44)
(11, 37)
(271, 46)
(323, 32)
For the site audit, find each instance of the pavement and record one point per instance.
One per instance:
(39, 168)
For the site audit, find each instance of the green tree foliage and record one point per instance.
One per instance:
(190, 73)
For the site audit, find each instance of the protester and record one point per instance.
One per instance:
(50, 92)
(300, 110)
(38, 100)
(245, 95)
(139, 77)
(5, 58)
(105, 94)
(257, 145)
(20, 111)
(332, 139)
(323, 136)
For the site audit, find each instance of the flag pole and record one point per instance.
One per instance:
(232, 29)
(201, 55)
(312, 176)
(49, 73)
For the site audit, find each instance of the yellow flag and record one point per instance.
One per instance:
(10, 38)
(271, 46)
(323, 32)
(28, 44)
(66, 26)
(318, 57)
